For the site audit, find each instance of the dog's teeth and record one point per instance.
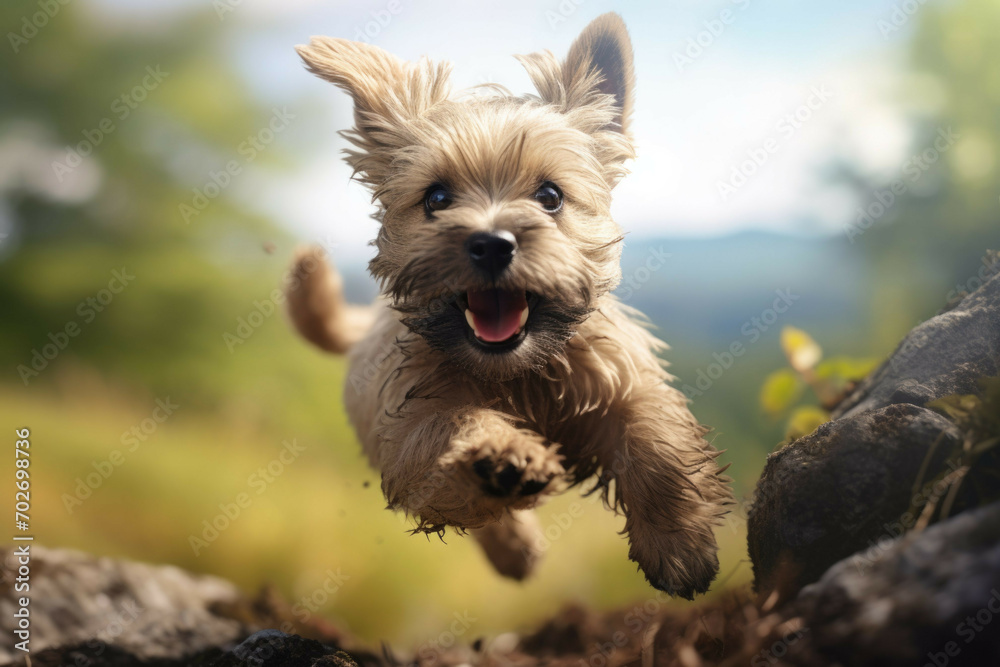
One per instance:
(469, 319)
(524, 316)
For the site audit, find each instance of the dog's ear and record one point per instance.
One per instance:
(387, 93)
(599, 63)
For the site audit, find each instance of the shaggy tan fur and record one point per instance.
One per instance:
(466, 435)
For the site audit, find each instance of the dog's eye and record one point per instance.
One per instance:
(549, 196)
(437, 198)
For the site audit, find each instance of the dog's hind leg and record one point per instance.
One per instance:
(317, 307)
(512, 544)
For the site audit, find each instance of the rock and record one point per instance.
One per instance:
(266, 648)
(928, 598)
(271, 648)
(945, 355)
(103, 612)
(834, 491)
(95, 654)
(151, 612)
(851, 481)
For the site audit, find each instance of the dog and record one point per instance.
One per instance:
(497, 368)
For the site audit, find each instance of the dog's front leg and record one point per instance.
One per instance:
(670, 488)
(462, 466)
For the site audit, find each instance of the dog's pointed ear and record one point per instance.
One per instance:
(599, 63)
(388, 93)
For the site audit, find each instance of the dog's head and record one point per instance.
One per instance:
(496, 235)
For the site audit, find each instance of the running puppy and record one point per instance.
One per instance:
(497, 368)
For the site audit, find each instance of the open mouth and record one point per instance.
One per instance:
(497, 317)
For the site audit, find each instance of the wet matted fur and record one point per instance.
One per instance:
(472, 433)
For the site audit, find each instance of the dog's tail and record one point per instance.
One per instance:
(317, 307)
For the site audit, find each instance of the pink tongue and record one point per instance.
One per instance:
(497, 313)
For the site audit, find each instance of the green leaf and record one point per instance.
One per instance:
(957, 406)
(981, 448)
(846, 369)
(802, 351)
(780, 391)
(804, 421)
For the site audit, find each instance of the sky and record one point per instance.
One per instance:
(733, 134)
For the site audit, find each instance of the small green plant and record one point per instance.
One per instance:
(976, 459)
(828, 380)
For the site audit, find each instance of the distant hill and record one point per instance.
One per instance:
(707, 290)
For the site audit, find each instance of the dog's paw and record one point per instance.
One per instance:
(678, 563)
(518, 466)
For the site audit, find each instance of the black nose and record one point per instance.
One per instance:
(491, 251)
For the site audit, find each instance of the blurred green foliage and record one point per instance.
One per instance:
(829, 380)
(938, 233)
